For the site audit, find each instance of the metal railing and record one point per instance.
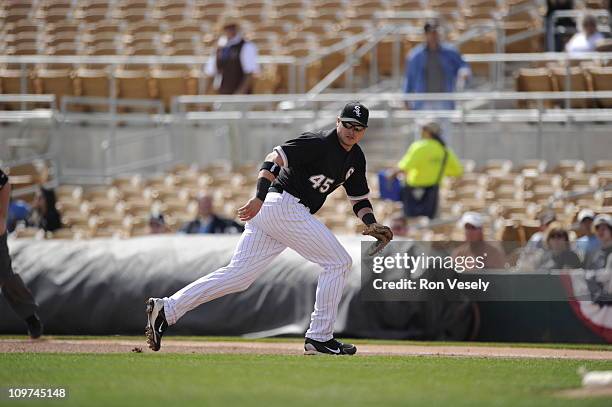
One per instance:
(387, 110)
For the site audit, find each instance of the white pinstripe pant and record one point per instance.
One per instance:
(282, 222)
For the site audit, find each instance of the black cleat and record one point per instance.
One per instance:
(331, 347)
(156, 323)
(35, 327)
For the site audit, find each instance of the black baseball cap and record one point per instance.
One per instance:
(431, 25)
(355, 112)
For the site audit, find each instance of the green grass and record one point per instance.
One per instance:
(578, 346)
(148, 379)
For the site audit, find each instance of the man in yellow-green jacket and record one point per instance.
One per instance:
(424, 164)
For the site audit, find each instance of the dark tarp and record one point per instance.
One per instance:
(99, 287)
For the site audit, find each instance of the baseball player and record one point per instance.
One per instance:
(16, 293)
(294, 181)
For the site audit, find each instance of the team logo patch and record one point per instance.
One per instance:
(357, 111)
(349, 172)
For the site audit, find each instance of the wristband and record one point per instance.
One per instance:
(368, 218)
(272, 167)
(364, 203)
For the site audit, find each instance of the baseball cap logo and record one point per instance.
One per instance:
(357, 111)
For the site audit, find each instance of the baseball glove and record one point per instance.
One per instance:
(381, 233)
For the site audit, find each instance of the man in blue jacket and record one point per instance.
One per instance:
(434, 67)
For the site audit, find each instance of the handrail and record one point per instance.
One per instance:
(130, 59)
(351, 59)
(391, 96)
(27, 98)
(195, 59)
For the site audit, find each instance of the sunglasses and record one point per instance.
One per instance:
(349, 126)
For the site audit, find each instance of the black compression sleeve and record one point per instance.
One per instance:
(262, 188)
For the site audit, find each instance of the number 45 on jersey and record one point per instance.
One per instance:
(321, 182)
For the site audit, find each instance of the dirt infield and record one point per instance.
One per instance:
(288, 348)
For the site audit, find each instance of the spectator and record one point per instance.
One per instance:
(475, 245)
(556, 254)
(588, 243)
(399, 226)
(424, 164)
(157, 224)
(601, 259)
(234, 63)
(208, 222)
(18, 211)
(532, 250)
(561, 25)
(586, 40)
(435, 67)
(536, 241)
(45, 215)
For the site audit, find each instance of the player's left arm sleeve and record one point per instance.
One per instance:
(453, 165)
(356, 185)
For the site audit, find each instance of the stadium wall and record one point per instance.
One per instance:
(99, 287)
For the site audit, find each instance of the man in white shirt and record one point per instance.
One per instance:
(587, 39)
(234, 63)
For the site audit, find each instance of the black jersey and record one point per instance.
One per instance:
(316, 164)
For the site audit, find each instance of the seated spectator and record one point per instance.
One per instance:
(532, 250)
(585, 40)
(588, 243)
(208, 222)
(601, 259)
(475, 246)
(45, 215)
(18, 212)
(425, 163)
(557, 253)
(536, 241)
(157, 224)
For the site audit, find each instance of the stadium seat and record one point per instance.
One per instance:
(533, 80)
(133, 84)
(569, 166)
(539, 166)
(602, 166)
(57, 82)
(602, 80)
(172, 83)
(578, 82)
(267, 81)
(91, 16)
(93, 83)
(10, 83)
